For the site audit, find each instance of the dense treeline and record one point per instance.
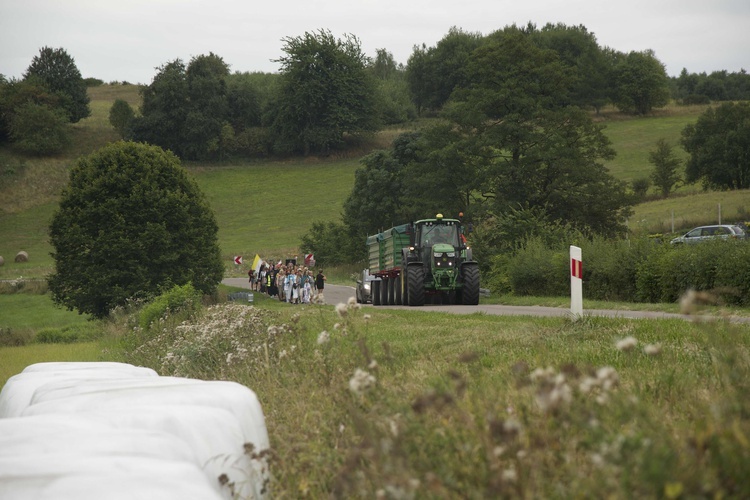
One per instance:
(702, 88)
(328, 93)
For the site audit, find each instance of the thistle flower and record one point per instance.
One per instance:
(510, 475)
(361, 381)
(341, 310)
(366, 317)
(627, 344)
(324, 337)
(652, 349)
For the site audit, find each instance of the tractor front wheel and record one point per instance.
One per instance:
(470, 291)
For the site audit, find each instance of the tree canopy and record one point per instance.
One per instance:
(130, 224)
(719, 147)
(325, 93)
(641, 83)
(58, 72)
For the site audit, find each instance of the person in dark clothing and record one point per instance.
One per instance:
(320, 281)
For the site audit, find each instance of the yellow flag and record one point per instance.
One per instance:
(256, 263)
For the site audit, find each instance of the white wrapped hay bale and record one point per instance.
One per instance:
(19, 389)
(79, 457)
(217, 422)
(215, 418)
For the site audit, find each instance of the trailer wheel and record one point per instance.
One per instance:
(415, 285)
(470, 292)
(375, 293)
(384, 291)
(398, 295)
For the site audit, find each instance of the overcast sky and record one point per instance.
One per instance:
(117, 40)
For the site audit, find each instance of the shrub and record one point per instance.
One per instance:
(538, 270)
(640, 187)
(14, 338)
(39, 130)
(121, 117)
(178, 299)
(693, 99)
(611, 266)
(68, 334)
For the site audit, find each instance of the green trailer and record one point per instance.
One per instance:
(428, 259)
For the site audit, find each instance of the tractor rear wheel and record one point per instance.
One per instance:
(415, 285)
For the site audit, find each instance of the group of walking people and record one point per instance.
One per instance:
(289, 283)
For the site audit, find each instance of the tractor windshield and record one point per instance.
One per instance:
(440, 233)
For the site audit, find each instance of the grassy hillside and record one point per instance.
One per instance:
(634, 137)
(264, 207)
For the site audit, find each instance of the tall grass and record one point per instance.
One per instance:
(14, 359)
(411, 404)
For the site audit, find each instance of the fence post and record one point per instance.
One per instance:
(576, 283)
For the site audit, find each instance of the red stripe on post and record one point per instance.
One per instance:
(576, 268)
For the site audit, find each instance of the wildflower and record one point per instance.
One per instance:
(652, 349)
(324, 337)
(627, 344)
(361, 381)
(607, 377)
(283, 354)
(366, 317)
(512, 426)
(341, 310)
(352, 301)
(588, 384)
(510, 475)
(597, 459)
(373, 365)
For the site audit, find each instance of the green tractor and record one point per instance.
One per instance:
(426, 260)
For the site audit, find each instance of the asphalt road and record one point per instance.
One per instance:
(335, 294)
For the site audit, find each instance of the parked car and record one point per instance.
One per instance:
(706, 233)
(364, 287)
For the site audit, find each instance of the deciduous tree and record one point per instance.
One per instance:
(121, 117)
(666, 164)
(325, 93)
(640, 83)
(130, 224)
(530, 146)
(57, 70)
(719, 147)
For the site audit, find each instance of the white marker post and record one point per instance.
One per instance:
(576, 283)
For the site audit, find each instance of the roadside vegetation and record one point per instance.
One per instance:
(398, 404)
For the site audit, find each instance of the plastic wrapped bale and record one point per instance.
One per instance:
(18, 391)
(81, 457)
(220, 421)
